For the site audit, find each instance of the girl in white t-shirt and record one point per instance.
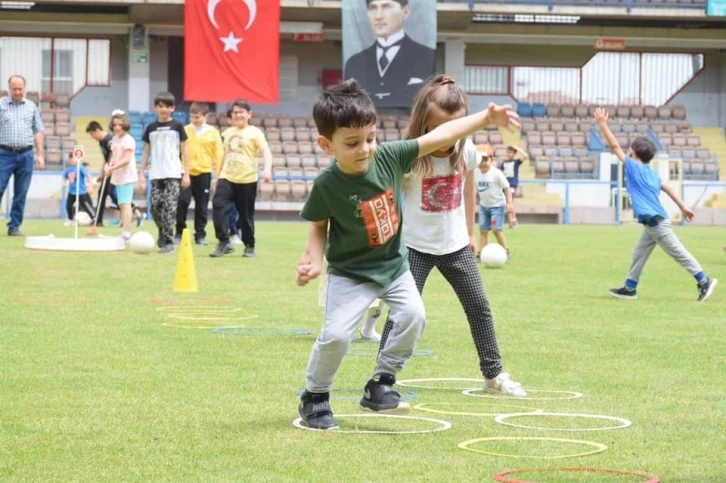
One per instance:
(122, 168)
(438, 223)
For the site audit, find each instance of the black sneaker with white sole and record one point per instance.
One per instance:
(249, 252)
(623, 293)
(222, 250)
(379, 396)
(705, 290)
(315, 411)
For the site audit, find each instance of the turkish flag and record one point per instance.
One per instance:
(232, 50)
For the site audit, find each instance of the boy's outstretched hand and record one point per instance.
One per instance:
(503, 116)
(306, 270)
(688, 214)
(601, 116)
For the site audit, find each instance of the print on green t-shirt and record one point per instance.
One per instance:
(364, 213)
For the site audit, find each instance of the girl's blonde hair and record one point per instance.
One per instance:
(440, 91)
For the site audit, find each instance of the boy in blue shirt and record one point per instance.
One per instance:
(644, 187)
(76, 186)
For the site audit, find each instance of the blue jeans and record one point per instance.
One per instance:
(21, 167)
(491, 218)
(234, 227)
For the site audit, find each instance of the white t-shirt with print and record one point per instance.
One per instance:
(491, 186)
(434, 219)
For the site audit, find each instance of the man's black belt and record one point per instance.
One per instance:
(22, 150)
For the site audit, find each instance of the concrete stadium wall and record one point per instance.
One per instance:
(705, 96)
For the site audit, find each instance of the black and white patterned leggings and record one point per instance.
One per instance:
(164, 200)
(460, 270)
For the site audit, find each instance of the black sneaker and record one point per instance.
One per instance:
(249, 252)
(15, 232)
(222, 250)
(166, 249)
(315, 411)
(623, 293)
(379, 396)
(705, 290)
(201, 241)
(177, 239)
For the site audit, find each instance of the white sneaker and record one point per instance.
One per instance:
(503, 384)
(68, 223)
(235, 240)
(374, 337)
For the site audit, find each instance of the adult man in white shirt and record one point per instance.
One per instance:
(393, 68)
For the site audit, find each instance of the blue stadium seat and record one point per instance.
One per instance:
(524, 109)
(148, 118)
(539, 110)
(135, 117)
(180, 116)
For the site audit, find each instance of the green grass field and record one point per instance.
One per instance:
(94, 386)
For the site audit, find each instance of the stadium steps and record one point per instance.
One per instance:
(713, 139)
(534, 194)
(92, 151)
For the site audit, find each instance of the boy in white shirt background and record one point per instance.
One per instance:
(495, 199)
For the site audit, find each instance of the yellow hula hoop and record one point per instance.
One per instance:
(196, 308)
(178, 323)
(599, 447)
(423, 407)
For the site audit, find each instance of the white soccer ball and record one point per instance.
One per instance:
(83, 218)
(493, 255)
(142, 242)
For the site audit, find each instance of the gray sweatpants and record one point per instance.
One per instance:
(346, 302)
(662, 234)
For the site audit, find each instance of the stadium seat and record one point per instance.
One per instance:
(539, 110)
(524, 109)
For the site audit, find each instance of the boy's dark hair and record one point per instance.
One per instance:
(402, 2)
(70, 155)
(343, 105)
(242, 104)
(93, 126)
(199, 108)
(511, 149)
(644, 149)
(165, 99)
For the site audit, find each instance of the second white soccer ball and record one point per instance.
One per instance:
(493, 255)
(83, 218)
(142, 242)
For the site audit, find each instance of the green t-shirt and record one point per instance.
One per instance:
(364, 238)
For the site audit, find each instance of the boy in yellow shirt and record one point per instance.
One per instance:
(237, 182)
(204, 145)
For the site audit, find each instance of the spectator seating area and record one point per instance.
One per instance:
(559, 136)
(56, 115)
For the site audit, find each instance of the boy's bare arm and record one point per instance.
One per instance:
(144, 160)
(687, 212)
(311, 263)
(448, 133)
(601, 118)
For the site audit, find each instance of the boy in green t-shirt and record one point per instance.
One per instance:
(356, 216)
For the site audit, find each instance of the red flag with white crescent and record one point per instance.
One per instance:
(232, 50)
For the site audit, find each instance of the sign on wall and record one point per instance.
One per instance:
(389, 47)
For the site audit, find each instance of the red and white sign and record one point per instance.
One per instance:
(78, 152)
(308, 37)
(609, 44)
